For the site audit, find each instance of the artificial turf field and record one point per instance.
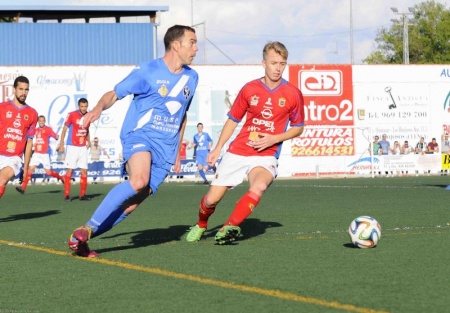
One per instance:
(294, 255)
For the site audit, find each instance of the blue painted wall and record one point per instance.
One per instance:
(77, 44)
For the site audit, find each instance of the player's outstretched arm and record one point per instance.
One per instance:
(225, 135)
(105, 102)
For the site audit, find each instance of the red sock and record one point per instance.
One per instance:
(67, 181)
(2, 190)
(204, 213)
(83, 185)
(25, 181)
(244, 207)
(54, 174)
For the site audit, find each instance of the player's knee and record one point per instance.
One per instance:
(259, 188)
(139, 183)
(211, 200)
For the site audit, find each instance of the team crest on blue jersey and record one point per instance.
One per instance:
(163, 91)
(186, 92)
(254, 100)
(281, 102)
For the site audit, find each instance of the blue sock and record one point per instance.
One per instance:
(110, 211)
(121, 218)
(107, 224)
(202, 174)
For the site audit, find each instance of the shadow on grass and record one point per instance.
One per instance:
(27, 216)
(251, 227)
(91, 196)
(352, 246)
(148, 237)
(436, 185)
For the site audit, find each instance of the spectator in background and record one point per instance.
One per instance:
(433, 146)
(385, 145)
(421, 146)
(406, 148)
(396, 149)
(376, 147)
(445, 143)
(96, 151)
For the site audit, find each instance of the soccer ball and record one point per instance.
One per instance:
(365, 232)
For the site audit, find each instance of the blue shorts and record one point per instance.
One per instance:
(160, 168)
(200, 158)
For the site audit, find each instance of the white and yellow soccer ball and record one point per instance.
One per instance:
(365, 232)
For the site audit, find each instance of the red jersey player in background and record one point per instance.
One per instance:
(41, 153)
(77, 148)
(271, 104)
(17, 128)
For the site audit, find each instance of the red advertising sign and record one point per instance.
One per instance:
(328, 95)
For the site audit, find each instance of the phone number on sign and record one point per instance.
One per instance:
(398, 115)
(319, 151)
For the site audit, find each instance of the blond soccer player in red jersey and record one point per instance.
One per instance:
(270, 104)
(17, 128)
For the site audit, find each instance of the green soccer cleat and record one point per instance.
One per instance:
(227, 234)
(195, 233)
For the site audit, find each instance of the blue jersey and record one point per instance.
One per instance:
(161, 99)
(202, 143)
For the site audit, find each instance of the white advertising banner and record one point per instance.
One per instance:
(345, 107)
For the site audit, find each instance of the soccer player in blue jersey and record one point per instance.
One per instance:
(202, 143)
(151, 133)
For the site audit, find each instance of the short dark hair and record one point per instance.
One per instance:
(21, 79)
(82, 100)
(175, 33)
(199, 124)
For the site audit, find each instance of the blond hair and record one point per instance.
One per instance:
(276, 46)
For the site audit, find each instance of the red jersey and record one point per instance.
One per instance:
(77, 133)
(42, 138)
(16, 126)
(183, 149)
(268, 111)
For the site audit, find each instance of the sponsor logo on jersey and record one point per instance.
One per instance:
(163, 91)
(267, 113)
(254, 100)
(186, 92)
